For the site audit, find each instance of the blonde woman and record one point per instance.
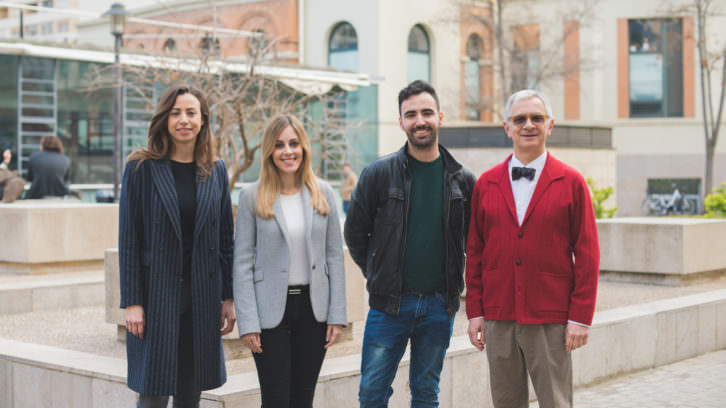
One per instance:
(289, 283)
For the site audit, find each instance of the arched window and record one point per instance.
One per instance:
(257, 45)
(471, 76)
(170, 45)
(419, 54)
(343, 48)
(210, 45)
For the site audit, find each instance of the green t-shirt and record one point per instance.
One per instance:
(423, 267)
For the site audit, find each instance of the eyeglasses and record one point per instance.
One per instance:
(536, 118)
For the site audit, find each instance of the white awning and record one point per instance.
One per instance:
(302, 79)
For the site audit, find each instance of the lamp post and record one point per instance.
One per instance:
(117, 14)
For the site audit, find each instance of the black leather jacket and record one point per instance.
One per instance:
(375, 228)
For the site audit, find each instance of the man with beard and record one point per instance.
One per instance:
(406, 229)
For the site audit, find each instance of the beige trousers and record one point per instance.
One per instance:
(514, 349)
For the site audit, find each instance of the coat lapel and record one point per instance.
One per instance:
(164, 182)
(308, 213)
(505, 187)
(205, 191)
(551, 172)
(280, 218)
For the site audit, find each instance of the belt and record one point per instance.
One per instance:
(298, 289)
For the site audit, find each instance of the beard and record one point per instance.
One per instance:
(425, 142)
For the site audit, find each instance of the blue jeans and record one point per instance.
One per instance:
(424, 320)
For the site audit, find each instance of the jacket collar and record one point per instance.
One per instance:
(164, 182)
(451, 166)
(553, 170)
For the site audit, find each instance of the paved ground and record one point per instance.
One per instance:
(699, 382)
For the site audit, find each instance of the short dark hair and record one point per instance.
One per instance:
(414, 88)
(51, 144)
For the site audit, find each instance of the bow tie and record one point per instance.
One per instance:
(519, 172)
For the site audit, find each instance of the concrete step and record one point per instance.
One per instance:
(23, 294)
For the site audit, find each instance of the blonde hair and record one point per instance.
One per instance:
(270, 183)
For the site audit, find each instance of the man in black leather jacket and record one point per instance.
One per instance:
(406, 228)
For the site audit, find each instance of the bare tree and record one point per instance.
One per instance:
(242, 98)
(709, 60)
(516, 62)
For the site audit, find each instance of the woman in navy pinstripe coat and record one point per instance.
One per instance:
(175, 255)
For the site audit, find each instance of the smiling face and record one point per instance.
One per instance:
(288, 153)
(528, 137)
(185, 120)
(421, 119)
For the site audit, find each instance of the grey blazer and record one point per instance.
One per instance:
(262, 261)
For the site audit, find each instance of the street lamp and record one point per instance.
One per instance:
(117, 14)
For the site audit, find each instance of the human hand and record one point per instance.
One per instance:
(476, 333)
(135, 320)
(228, 318)
(252, 340)
(332, 334)
(575, 336)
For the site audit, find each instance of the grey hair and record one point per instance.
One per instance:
(527, 94)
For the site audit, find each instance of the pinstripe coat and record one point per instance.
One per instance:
(150, 262)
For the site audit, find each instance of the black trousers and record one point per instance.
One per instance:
(292, 354)
(186, 396)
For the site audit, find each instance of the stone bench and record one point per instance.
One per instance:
(355, 292)
(42, 236)
(621, 340)
(24, 294)
(665, 251)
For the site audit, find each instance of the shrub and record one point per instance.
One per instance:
(599, 195)
(716, 202)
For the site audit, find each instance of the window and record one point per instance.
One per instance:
(524, 59)
(210, 45)
(46, 28)
(170, 45)
(471, 76)
(419, 54)
(343, 48)
(63, 27)
(655, 64)
(257, 45)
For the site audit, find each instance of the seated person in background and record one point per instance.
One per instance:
(48, 170)
(11, 185)
(7, 156)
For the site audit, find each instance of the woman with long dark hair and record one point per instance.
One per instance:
(288, 268)
(175, 256)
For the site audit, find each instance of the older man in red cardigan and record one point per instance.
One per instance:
(532, 263)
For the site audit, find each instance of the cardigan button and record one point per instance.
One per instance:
(520, 234)
(313, 267)
(518, 262)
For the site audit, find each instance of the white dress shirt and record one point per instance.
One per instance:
(522, 188)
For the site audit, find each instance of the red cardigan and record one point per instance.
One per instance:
(545, 271)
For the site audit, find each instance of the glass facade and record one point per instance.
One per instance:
(74, 100)
(9, 105)
(85, 120)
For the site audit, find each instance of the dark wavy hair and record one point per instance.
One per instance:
(159, 142)
(414, 88)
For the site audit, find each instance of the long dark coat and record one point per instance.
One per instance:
(150, 261)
